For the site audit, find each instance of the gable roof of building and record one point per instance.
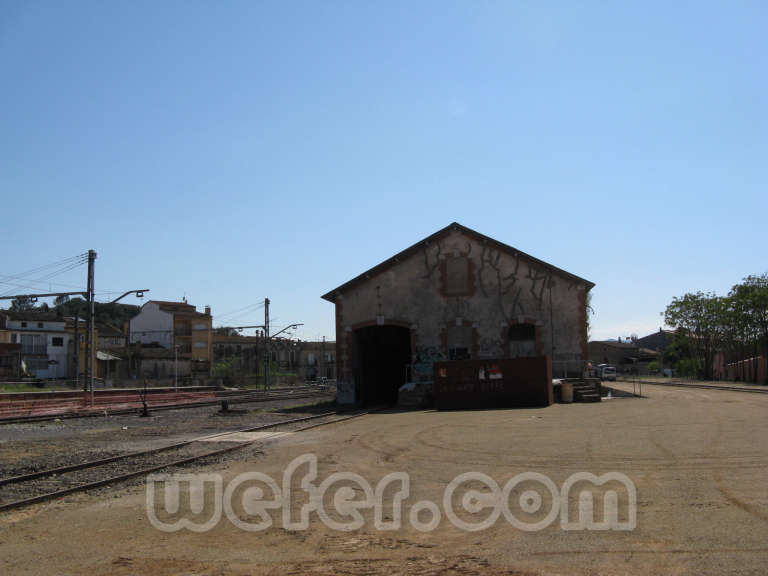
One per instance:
(614, 343)
(167, 305)
(482, 238)
(175, 307)
(108, 331)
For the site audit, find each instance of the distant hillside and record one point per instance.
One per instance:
(115, 314)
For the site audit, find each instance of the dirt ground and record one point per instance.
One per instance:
(698, 459)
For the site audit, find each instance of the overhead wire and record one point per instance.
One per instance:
(50, 271)
(23, 275)
(53, 270)
(241, 312)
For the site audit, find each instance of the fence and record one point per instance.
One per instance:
(748, 370)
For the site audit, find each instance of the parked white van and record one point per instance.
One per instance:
(608, 373)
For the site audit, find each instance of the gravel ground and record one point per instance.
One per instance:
(29, 447)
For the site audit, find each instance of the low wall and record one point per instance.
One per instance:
(493, 383)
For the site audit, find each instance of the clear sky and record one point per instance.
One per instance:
(232, 151)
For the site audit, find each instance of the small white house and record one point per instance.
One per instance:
(152, 325)
(44, 342)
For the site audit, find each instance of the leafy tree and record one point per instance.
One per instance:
(59, 300)
(226, 331)
(736, 325)
(700, 317)
(750, 309)
(22, 304)
(224, 370)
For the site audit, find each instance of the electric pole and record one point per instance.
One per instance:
(266, 344)
(76, 360)
(91, 319)
(322, 360)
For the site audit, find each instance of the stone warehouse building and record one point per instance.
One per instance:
(457, 294)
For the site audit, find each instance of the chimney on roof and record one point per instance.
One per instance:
(207, 310)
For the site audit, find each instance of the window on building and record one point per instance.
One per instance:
(311, 358)
(57, 341)
(33, 344)
(14, 337)
(459, 340)
(23, 324)
(522, 340)
(200, 345)
(39, 324)
(456, 276)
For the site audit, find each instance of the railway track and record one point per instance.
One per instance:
(674, 384)
(231, 397)
(26, 489)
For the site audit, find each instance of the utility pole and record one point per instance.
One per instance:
(266, 344)
(91, 319)
(76, 360)
(267, 337)
(322, 360)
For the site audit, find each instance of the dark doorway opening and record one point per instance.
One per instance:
(383, 353)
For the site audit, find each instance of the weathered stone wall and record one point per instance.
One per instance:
(503, 289)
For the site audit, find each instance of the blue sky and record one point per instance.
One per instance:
(232, 151)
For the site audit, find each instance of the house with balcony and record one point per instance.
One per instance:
(316, 360)
(10, 357)
(179, 327)
(43, 339)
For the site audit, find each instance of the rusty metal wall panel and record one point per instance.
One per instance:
(493, 383)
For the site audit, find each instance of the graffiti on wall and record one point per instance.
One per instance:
(426, 356)
(490, 348)
(345, 392)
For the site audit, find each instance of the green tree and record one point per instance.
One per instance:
(701, 317)
(750, 310)
(59, 300)
(22, 304)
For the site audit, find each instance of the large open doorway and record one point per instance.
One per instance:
(383, 353)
